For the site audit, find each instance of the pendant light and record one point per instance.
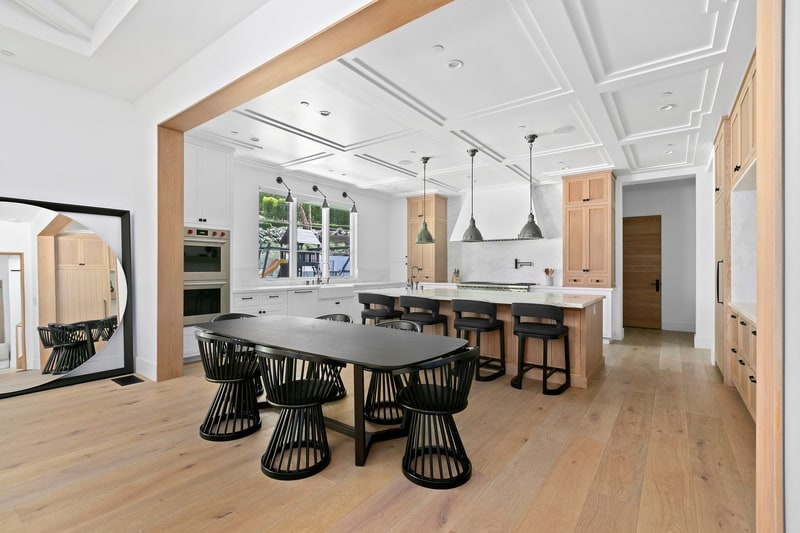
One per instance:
(289, 198)
(530, 230)
(472, 234)
(424, 236)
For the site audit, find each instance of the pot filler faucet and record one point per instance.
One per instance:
(414, 270)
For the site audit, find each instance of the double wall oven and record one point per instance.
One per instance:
(206, 274)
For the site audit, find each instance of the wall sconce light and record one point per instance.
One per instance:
(352, 209)
(325, 198)
(289, 198)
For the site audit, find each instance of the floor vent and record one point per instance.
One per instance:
(127, 380)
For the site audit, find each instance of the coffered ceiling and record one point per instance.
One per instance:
(637, 86)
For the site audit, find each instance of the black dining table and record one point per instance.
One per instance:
(364, 347)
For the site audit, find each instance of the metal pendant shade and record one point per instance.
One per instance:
(424, 236)
(530, 230)
(472, 233)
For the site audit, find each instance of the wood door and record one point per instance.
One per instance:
(641, 272)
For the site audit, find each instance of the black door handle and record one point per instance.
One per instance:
(719, 264)
(657, 285)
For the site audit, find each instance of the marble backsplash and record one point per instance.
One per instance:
(494, 260)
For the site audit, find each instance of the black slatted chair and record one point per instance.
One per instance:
(237, 316)
(432, 393)
(481, 317)
(73, 342)
(380, 405)
(377, 307)
(341, 390)
(423, 311)
(298, 384)
(233, 365)
(107, 327)
(50, 339)
(554, 329)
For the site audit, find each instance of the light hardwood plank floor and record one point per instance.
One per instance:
(657, 443)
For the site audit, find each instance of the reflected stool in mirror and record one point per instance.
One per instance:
(481, 317)
(432, 393)
(423, 311)
(553, 329)
(232, 364)
(380, 406)
(377, 307)
(298, 384)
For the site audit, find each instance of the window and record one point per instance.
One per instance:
(314, 254)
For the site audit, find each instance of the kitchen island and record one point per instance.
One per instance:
(583, 314)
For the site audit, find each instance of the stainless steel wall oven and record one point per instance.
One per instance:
(206, 274)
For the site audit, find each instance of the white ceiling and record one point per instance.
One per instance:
(588, 77)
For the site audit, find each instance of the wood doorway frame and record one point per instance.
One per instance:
(24, 358)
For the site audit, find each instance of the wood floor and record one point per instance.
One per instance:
(656, 444)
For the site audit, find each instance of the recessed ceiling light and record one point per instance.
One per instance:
(255, 139)
(564, 129)
(666, 93)
(325, 113)
(7, 53)
(234, 132)
(455, 64)
(438, 48)
(404, 162)
(668, 152)
(666, 107)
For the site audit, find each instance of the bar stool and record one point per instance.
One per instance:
(485, 322)
(423, 311)
(234, 410)
(298, 384)
(384, 311)
(380, 406)
(544, 331)
(432, 393)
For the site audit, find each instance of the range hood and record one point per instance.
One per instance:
(501, 213)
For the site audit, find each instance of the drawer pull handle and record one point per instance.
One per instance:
(247, 298)
(734, 350)
(753, 332)
(274, 295)
(742, 323)
(734, 316)
(302, 292)
(752, 379)
(741, 362)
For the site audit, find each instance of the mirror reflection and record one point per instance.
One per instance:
(62, 289)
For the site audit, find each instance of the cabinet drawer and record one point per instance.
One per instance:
(246, 300)
(575, 280)
(599, 281)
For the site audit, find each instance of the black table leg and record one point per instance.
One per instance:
(358, 415)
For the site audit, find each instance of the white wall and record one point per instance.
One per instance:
(247, 177)
(675, 202)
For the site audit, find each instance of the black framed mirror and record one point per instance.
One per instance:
(66, 302)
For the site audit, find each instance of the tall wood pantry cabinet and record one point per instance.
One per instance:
(83, 278)
(735, 244)
(431, 259)
(589, 229)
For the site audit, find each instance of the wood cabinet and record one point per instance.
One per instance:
(206, 193)
(589, 213)
(743, 125)
(735, 238)
(83, 278)
(431, 259)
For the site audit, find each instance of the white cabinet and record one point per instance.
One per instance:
(303, 302)
(206, 193)
(313, 302)
(260, 303)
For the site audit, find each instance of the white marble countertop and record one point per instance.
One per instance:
(293, 286)
(746, 309)
(558, 299)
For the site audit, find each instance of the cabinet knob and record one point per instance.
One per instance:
(734, 351)
(752, 379)
(737, 168)
(716, 189)
(742, 323)
(753, 332)
(741, 362)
